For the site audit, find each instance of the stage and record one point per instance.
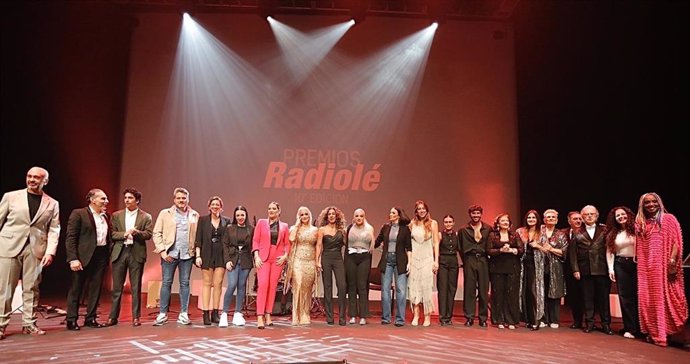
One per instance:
(283, 343)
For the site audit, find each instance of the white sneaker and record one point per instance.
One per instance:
(511, 327)
(362, 321)
(223, 322)
(628, 335)
(352, 320)
(238, 319)
(542, 324)
(501, 326)
(554, 326)
(183, 319)
(161, 319)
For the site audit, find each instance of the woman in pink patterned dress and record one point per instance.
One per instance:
(662, 304)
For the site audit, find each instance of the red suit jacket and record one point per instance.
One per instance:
(262, 239)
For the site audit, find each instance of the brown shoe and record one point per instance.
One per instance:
(136, 322)
(2, 333)
(32, 330)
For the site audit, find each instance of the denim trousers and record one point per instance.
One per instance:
(168, 269)
(237, 278)
(400, 291)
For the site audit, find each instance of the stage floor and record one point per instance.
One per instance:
(283, 343)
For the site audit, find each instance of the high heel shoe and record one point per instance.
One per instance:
(260, 322)
(269, 322)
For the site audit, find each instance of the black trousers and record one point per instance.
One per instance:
(476, 279)
(447, 285)
(357, 269)
(93, 276)
(595, 290)
(332, 264)
(529, 291)
(626, 280)
(126, 263)
(505, 298)
(573, 297)
(552, 306)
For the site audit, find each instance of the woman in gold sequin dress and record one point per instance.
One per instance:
(302, 266)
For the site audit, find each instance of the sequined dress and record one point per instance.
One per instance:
(302, 274)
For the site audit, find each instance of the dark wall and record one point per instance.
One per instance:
(63, 86)
(602, 98)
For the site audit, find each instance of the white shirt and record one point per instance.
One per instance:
(590, 230)
(101, 227)
(130, 219)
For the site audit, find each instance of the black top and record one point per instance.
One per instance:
(34, 204)
(333, 243)
(207, 236)
(504, 263)
(237, 245)
(403, 244)
(274, 233)
(450, 243)
(470, 246)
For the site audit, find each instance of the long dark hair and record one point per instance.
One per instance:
(403, 219)
(234, 219)
(613, 227)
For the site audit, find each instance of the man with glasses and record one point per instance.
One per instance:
(588, 263)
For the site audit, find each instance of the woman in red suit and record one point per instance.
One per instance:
(270, 247)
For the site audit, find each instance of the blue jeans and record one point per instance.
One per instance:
(237, 278)
(400, 291)
(185, 267)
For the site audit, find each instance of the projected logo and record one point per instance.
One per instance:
(327, 175)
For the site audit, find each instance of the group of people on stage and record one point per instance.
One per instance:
(528, 270)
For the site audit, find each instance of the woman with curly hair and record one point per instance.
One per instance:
(662, 303)
(620, 257)
(330, 241)
(424, 262)
(301, 272)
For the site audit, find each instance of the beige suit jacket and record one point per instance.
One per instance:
(43, 231)
(165, 230)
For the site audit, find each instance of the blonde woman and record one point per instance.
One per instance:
(301, 273)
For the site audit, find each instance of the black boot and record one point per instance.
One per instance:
(215, 318)
(207, 319)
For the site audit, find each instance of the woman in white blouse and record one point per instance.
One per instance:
(620, 256)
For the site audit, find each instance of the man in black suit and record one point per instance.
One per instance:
(131, 228)
(88, 248)
(588, 263)
(573, 297)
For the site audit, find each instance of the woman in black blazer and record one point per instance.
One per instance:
(237, 249)
(209, 256)
(397, 247)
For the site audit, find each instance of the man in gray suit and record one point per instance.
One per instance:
(29, 231)
(131, 228)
